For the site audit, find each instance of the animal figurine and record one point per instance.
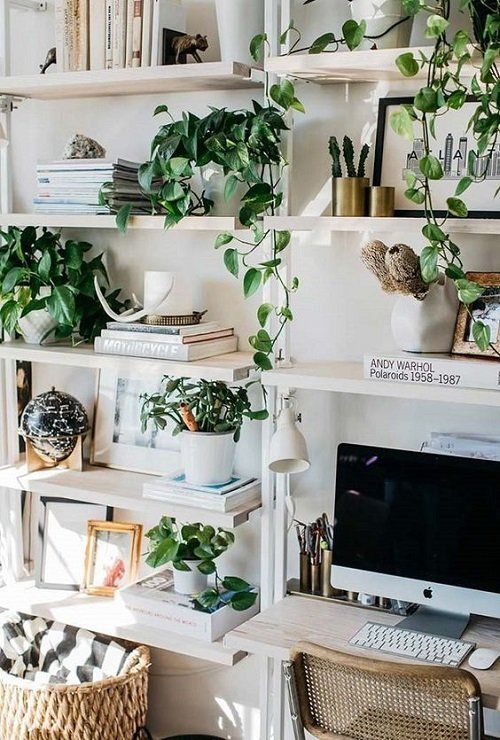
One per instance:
(397, 268)
(49, 60)
(184, 45)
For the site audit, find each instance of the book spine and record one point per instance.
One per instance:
(137, 33)
(69, 35)
(432, 371)
(155, 32)
(60, 13)
(130, 28)
(119, 33)
(141, 337)
(159, 350)
(97, 31)
(81, 33)
(109, 34)
(147, 18)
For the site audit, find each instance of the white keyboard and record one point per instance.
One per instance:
(412, 644)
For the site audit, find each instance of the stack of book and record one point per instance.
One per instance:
(174, 489)
(74, 186)
(179, 343)
(113, 34)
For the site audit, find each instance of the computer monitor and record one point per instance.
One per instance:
(419, 527)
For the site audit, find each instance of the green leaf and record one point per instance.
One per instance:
(282, 240)
(9, 315)
(262, 361)
(232, 183)
(407, 64)
(482, 335)
(353, 33)
(232, 583)
(207, 567)
(208, 598)
(436, 25)
(11, 279)
(283, 93)
(426, 100)
(222, 239)
(415, 195)
(263, 313)
(433, 233)
(468, 291)
(160, 109)
(45, 264)
(146, 175)
(74, 254)
(463, 184)
(321, 43)
(454, 272)
(251, 281)
(164, 552)
(256, 45)
(429, 264)
(231, 261)
(457, 207)
(430, 166)
(122, 217)
(402, 123)
(412, 7)
(243, 600)
(61, 305)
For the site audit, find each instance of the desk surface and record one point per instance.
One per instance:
(274, 631)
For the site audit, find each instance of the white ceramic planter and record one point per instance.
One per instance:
(379, 16)
(190, 582)
(208, 458)
(428, 325)
(35, 326)
(238, 22)
(213, 182)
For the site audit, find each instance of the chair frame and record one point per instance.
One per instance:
(297, 695)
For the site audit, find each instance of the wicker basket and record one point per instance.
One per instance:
(111, 709)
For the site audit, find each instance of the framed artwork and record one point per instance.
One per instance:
(485, 309)
(112, 556)
(118, 440)
(62, 540)
(452, 145)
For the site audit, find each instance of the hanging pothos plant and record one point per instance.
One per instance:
(448, 87)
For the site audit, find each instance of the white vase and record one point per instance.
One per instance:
(428, 325)
(238, 22)
(208, 458)
(213, 182)
(190, 582)
(37, 325)
(379, 16)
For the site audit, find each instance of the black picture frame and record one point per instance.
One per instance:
(41, 580)
(382, 127)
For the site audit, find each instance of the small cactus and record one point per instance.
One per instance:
(334, 148)
(348, 150)
(365, 150)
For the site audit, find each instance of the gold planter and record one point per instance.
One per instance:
(349, 196)
(381, 201)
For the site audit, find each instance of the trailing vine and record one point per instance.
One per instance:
(447, 88)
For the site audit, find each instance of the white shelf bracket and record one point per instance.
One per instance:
(8, 103)
(29, 5)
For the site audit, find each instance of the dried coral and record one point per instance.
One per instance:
(83, 147)
(397, 268)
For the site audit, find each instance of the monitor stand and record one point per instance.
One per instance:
(436, 622)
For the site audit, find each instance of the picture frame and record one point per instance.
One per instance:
(62, 531)
(112, 556)
(118, 441)
(449, 129)
(487, 309)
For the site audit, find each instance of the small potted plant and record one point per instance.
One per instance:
(192, 550)
(349, 194)
(208, 415)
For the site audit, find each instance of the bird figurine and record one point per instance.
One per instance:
(50, 59)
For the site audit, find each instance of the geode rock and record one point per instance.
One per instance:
(82, 147)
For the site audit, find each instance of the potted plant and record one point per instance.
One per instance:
(47, 287)
(208, 415)
(192, 550)
(349, 194)
(238, 21)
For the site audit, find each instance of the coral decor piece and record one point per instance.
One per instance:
(397, 268)
(83, 147)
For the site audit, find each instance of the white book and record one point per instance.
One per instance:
(183, 331)
(163, 351)
(108, 48)
(147, 23)
(209, 501)
(137, 33)
(442, 370)
(168, 338)
(177, 481)
(169, 14)
(130, 29)
(119, 33)
(62, 49)
(97, 29)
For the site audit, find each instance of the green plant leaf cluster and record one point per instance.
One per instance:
(31, 262)
(215, 406)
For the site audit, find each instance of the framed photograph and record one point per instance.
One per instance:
(118, 440)
(394, 155)
(112, 556)
(62, 539)
(485, 309)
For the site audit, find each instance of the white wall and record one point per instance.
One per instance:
(340, 313)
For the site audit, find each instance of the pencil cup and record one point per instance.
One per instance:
(316, 579)
(305, 573)
(326, 569)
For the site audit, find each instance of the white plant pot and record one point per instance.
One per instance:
(208, 458)
(190, 582)
(35, 326)
(213, 182)
(379, 16)
(238, 22)
(428, 325)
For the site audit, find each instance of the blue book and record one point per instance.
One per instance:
(178, 480)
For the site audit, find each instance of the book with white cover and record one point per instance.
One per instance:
(119, 33)
(108, 41)
(147, 24)
(178, 480)
(182, 331)
(129, 33)
(163, 351)
(62, 50)
(81, 34)
(443, 370)
(137, 33)
(226, 503)
(97, 29)
(170, 338)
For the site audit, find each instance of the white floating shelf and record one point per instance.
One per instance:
(107, 616)
(359, 223)
(141, 81)
(329, 68)
(76, 221)
(347, 377)
(117, 488)
(229, 368)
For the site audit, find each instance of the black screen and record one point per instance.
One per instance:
(435, 518)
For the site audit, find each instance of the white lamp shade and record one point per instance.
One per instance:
(288, 452)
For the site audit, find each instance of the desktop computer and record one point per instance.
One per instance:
(419, 527)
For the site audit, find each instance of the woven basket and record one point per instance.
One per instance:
(112, 709)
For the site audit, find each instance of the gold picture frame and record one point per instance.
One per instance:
(487, 309)
(112, 556)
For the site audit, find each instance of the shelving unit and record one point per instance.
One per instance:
(107, 616)
(347, 377)
(139, 81)
(229, 368)
(117, 488)
(389, 225)
(70, 221)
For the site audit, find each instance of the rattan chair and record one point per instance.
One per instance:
(333, 695)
